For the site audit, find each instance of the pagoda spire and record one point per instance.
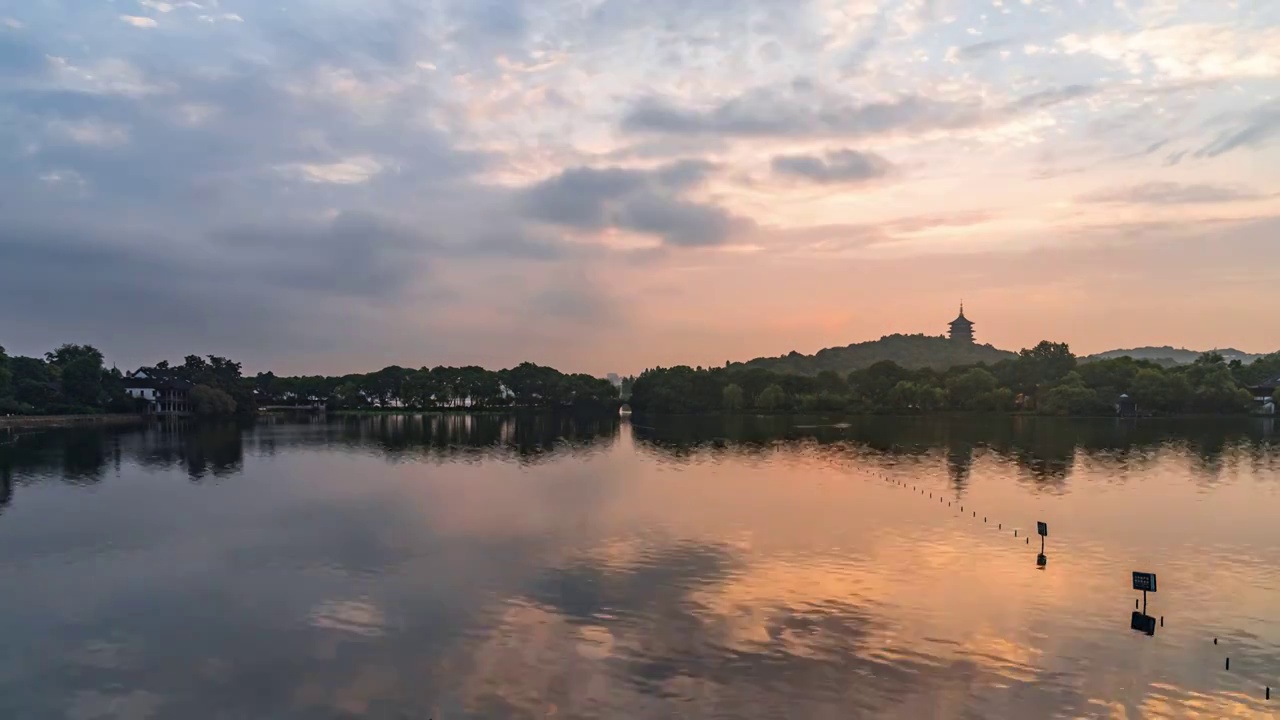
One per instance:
(962, 328)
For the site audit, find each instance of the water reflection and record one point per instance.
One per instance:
(454, 566)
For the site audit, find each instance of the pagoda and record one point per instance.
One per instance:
(962, 328)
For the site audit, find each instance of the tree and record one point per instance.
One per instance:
(1072, 397)
(905, 396)
(971, 390)
(6, 376)
(771, 398)
(1044, 364)
(733, 398)
(876, 382)
(420, 389)
(211, 402)
(829, 381)
(70, 353)
(1214, 388)
(1159, 391)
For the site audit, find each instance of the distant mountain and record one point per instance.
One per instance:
(910, 351)
(1169, 356)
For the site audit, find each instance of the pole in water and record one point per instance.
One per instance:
(1215, 641)
(1161, 621)
(1268, 692)
(1015, 534)
(1228, 663)
(1000, 526)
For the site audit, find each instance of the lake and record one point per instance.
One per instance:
(494, 567)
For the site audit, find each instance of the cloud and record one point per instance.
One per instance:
(1169, 193)
(1257, 128)
(1054, 96)
(841, 166)
(1185, 51)
(19, 57)
(90, 132)
(356, 255)
(351, 171)
(157, 5)
(801, 113)
(139, 22)
(978, 50)
(642, 201)
(222, 17)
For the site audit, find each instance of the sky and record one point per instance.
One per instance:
(332, 186)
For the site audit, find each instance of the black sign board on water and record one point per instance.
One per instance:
(1146, 582)
(1043, 529)
(1142, 623)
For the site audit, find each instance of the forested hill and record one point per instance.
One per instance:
(1170, 356)
(909, 351)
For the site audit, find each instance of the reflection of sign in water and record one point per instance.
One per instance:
(1142, 623)
(1043, 529)
(1146, 582)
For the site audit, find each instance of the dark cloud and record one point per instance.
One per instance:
(1257, 128)
(800, 112)
(356, 255)
(643, 201)
(1051, 97)
(18, 57)
(238, 288)
(1169, 193)
(677, 222)
(982, 49)
(841, 166)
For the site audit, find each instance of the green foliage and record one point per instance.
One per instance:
(1047, 377)
(1214, 389)
(211, 402)
(771, 398)
(6, 376)
(1073, 397)
(1159, 391)
(733, 397)
(912, 352)
(973, 390)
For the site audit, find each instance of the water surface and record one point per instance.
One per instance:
(488, 566)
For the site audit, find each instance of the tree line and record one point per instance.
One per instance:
(74, 380)
(441, 388)
(1047, 379)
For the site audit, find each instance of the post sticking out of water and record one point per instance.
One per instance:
(1228, 663)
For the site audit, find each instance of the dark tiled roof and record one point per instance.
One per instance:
(158, 383)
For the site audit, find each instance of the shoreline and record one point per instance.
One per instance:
(63, 421)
